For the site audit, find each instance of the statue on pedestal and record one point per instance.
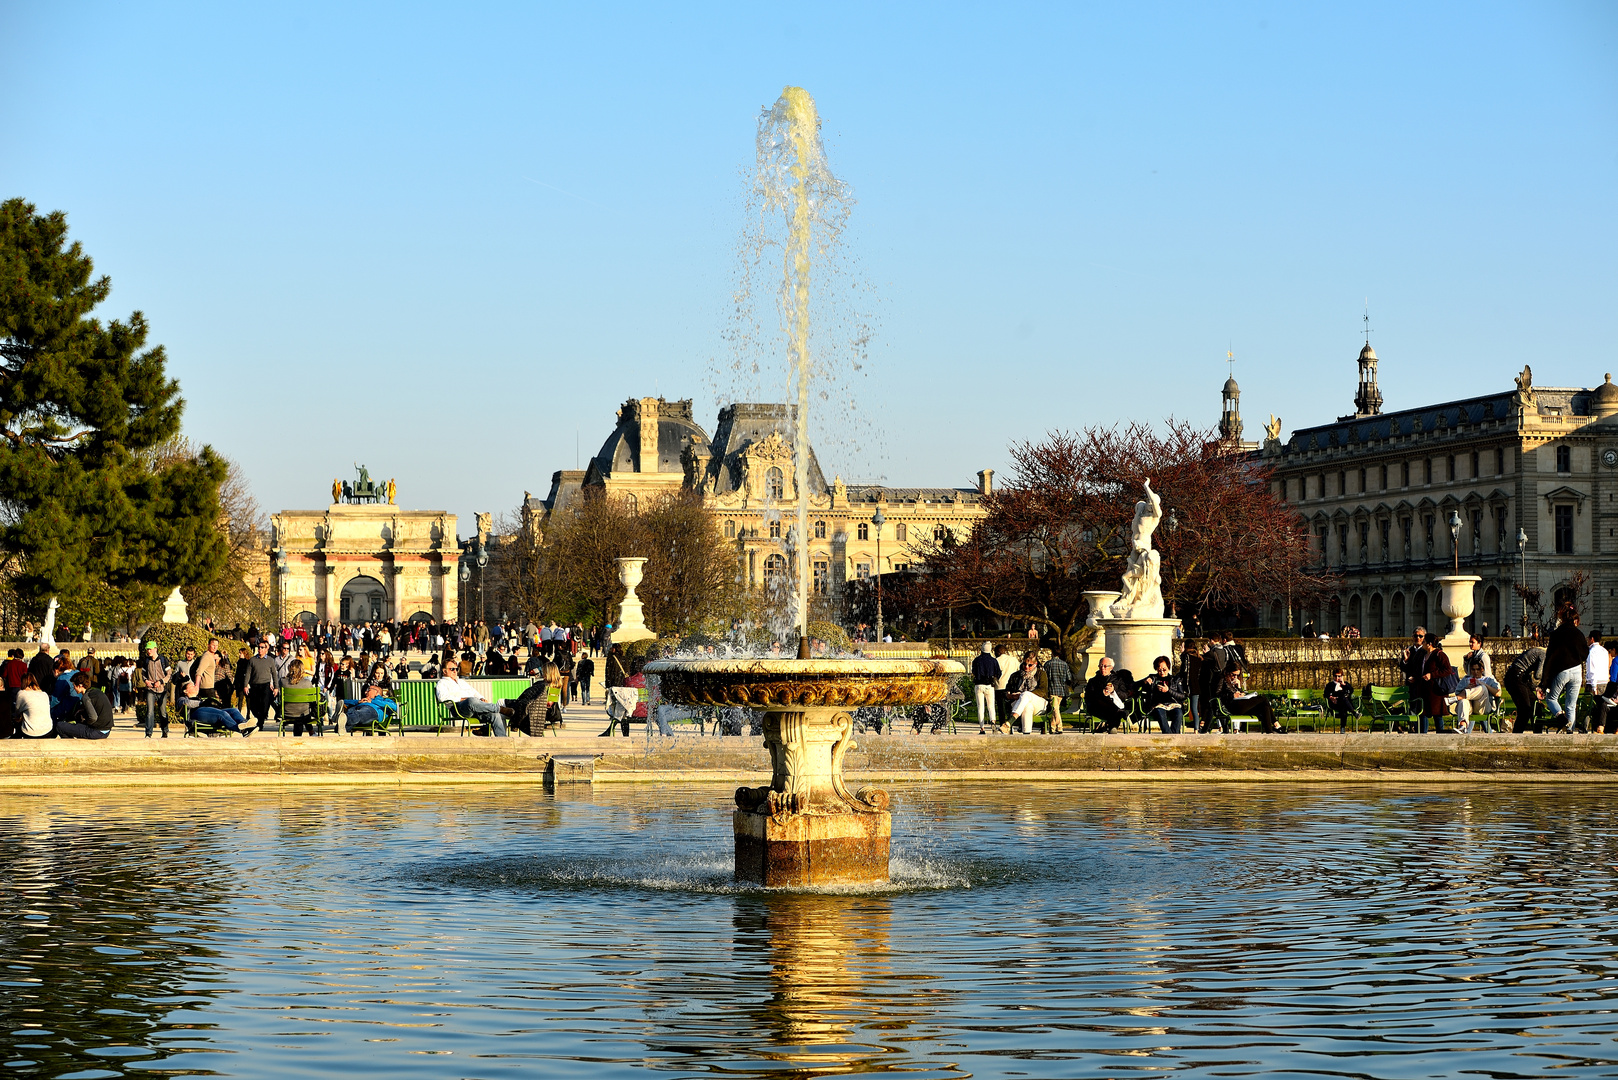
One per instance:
(1142, 596)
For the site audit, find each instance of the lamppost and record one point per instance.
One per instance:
(1455, 539)
(877, 520)
(280, 557)
(466, 576)
(483, 563)
(1522, 589)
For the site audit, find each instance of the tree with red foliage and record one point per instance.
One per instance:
(1061, 526)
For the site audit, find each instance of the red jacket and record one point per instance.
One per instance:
(11, 672)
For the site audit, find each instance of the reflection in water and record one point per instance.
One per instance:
(1050, 930)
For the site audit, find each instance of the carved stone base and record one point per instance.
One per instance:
(812, 849)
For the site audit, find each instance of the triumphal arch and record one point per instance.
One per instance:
(363, 558)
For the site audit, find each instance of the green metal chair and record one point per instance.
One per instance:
(303, 695)
(1389, 704)
(1294, 705)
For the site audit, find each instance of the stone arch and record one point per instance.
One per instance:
(362, 598)
(1354, 606)
(420, 616)
(1374, 626)
(1419, 614)
(1397, 626)
(1490, 611)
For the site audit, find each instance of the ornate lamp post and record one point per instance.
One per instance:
(1522, 600)
(483, 565)
(877, 521)
(1455, 538)
(280, 557)
(466, 576)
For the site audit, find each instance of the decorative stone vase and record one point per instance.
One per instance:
(1455, 601)
(1100, 603)
(631, 625)
(174, 609)
(806, 828)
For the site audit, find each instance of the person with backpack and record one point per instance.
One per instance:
(1435, 683)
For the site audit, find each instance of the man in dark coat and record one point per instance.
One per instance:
(1107, 694)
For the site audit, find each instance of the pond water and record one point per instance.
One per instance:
(1041, 930)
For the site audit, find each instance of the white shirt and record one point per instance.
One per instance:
(452, 688)
(33, 708)
(1596, 666)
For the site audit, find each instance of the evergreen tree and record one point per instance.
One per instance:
(87, 506)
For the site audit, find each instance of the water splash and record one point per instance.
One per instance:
(794, 180)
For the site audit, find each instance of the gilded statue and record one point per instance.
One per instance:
(336, 491)
(1273, 428)
(391, 489)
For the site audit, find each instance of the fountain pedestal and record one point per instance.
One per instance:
(805, 828)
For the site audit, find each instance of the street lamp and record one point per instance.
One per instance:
(483, 563)
(280, 557)
(1522, 590)
(877, 520)
(1455, 539)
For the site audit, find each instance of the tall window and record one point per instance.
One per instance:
(1362, 482)
(775, 568)
(1564, 529)
(1404, 474)
(901, 532)
(1385, 525)
(864, 532)
(820, 530)
(1475, 462)
(822, 576)
(730, 529)
(1500, 461)
(1342, 483)
(775, 482)
(1320, 485)
(1449, 469)
(775, 529)
(1564, 460)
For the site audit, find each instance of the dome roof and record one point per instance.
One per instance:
(1231, 389)
(621, 452)
(1605, 397)
(1367, 353)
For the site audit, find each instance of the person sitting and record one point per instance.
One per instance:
(204, 710)
(32, 710)
(1238, 702)
(1029, 693)
(299, 712)
(1477, 695)
(1106, 695)
(92, 715)
(429, 670)
(1164, 696)
(365, 713)
(452, 689)
(1339, 695)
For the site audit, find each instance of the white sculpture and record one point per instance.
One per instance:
(47, 633)
(1142, 596)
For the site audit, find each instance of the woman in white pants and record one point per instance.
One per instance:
(1029, 693)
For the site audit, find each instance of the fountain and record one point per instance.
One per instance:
(805, 828)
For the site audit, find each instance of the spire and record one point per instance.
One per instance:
(1230, 411)
(1367, 398)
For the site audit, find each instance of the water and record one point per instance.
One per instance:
(1049, 930)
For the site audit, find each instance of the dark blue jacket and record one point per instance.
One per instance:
(985, 670)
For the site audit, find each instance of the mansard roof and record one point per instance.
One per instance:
(748, 422)
(1349, 431)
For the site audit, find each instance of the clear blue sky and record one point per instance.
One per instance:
(447, 240)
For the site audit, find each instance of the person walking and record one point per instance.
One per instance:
(1564, 659)
(985, 673)
(1597, 663)
(263, 681)
(1057, 676)
(155, 675)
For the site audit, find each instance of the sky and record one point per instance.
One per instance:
(448, 241)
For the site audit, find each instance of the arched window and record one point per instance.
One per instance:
(775, 568)
(730, 529)
(1564, 459)
(775, 482)
(775, 529)
(901, 532)
(820, 530)
(864, 531)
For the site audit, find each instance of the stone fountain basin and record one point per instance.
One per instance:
(770, 683)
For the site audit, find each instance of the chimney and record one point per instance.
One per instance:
(986, 482)
(648, 434)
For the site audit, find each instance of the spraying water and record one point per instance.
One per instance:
(794, 179)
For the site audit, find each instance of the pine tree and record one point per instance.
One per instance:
(87, 508)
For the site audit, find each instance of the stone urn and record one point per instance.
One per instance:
(806, 828)
(1100, 601)
(1455, 601)
(631, 624)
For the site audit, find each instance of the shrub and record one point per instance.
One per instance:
(835, 637)
(174, 638)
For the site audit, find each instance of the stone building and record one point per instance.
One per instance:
(357, 561)
(746, 477)
(1379, 489)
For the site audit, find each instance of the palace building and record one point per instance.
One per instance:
(746, 477)
(1521, 483)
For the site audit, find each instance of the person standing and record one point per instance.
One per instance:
(155, 674)
(985, 673)
(1057, 676)
(1002, 699)
(1596, 666)
(1564, 660)
(1435, 683)
(585, 671)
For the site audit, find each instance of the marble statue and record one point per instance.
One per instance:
(485, 524)
(47, 633)
(1142, 596)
